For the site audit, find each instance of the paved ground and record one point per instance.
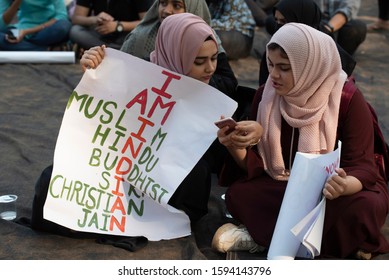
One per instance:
(31, 111)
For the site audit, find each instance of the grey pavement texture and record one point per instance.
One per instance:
(33, 98)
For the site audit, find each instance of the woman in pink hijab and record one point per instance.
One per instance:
(297, 110)
(185, 44)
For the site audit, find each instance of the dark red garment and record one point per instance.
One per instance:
(351, 222)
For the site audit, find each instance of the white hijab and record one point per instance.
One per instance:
(312, 105)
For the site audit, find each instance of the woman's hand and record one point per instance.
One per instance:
(341, 184)
(335, 185)
(248, 133)
(245, 134)
(92, 57)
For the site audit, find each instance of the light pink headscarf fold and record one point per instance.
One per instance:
(179, 40)
(312, 106)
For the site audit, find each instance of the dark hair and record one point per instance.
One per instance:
(274, 46)
(301, 11)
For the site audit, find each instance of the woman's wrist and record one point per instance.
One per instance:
(329, 27)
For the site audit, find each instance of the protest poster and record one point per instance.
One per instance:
(299, 226)
(130, 134)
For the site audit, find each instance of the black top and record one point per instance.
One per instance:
(123, 10)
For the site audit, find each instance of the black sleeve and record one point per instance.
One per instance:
(224, 78)
(143, 5)
(85, 3)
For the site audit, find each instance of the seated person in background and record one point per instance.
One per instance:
(41, 24)
(8, 14)
(234, 24)
(299, 110)
(339, 20)
(141, 41)
(261, 9)
(105, 22)
(300, 11)
(382, 23)
(70, 6)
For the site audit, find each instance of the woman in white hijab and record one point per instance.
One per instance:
(298, 110)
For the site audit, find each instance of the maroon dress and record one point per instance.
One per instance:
(351, 222)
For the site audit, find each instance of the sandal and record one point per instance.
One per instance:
(378, 25)
(363, 255)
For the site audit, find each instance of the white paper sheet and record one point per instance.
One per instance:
(309, 231)
(302, 195)
(122, 150)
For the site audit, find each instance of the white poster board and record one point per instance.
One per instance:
(299, 226)
(130, 134)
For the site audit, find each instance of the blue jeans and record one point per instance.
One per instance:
(40, 41)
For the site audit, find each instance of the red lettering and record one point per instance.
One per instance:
(331, 168)
(119, 180)
(169, 105)
(130, 143)
(120, 225)
(162, 91)
(118, 205)
(141, 98)
(142, 128)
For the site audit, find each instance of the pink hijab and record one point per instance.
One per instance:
(312, 105)
(179, 40)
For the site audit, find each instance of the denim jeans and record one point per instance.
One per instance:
(40, 41)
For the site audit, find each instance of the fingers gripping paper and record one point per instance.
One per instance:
(130, 134)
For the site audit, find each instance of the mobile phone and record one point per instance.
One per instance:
(230, 122)
(13, 34)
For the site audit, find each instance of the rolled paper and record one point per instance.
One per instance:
(37, 57)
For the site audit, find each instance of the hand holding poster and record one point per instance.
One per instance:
(300, 221)
(130, 134)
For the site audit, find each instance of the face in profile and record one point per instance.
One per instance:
(170, 7)
(205, 63)
(280, 71)
(280, 19)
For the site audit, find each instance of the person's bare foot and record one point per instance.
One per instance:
(378, 25)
